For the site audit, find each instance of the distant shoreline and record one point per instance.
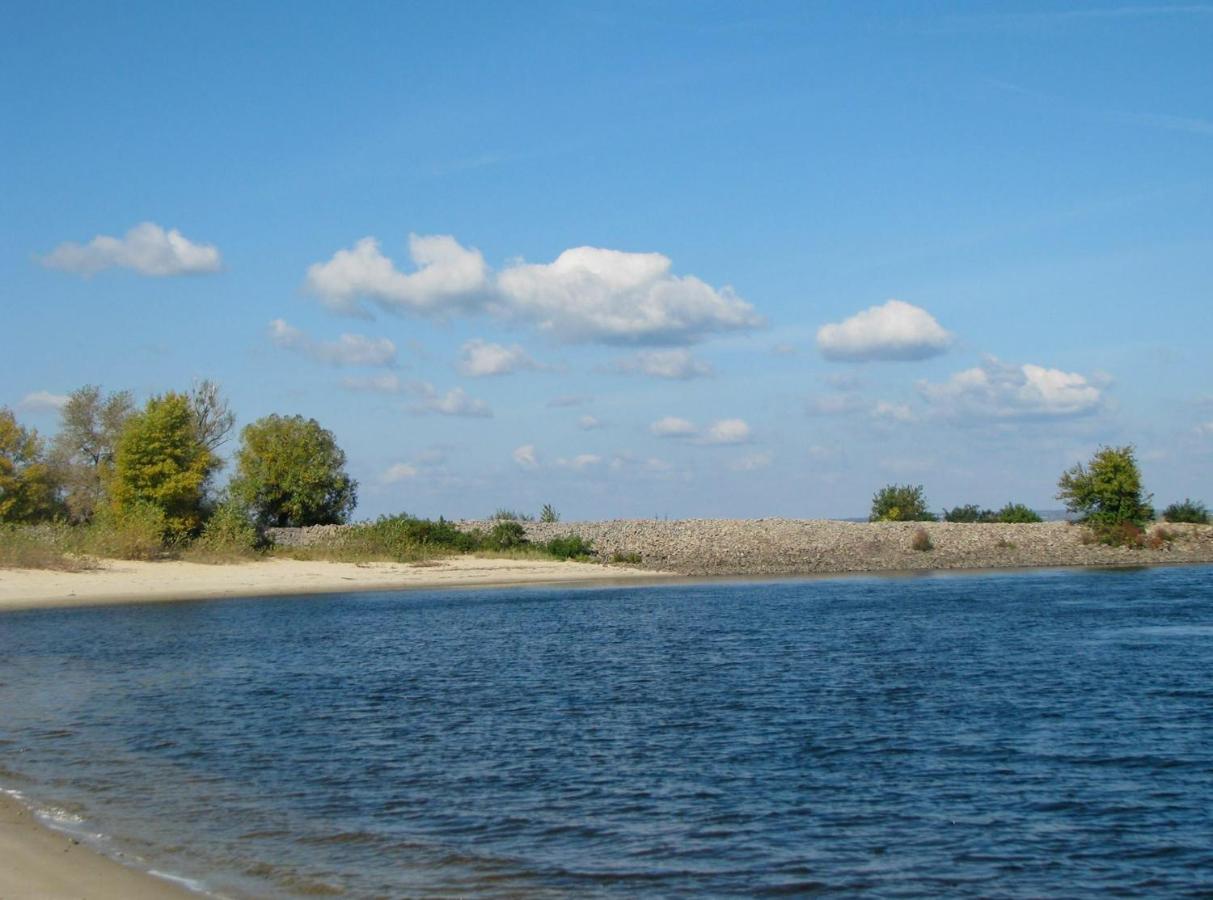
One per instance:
(646, 552)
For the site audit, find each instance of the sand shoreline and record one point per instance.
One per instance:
(38, 862)
(117, 581)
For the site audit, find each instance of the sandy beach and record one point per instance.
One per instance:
(117, 581)
(37, 863)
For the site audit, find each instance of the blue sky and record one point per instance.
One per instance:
(634, 260)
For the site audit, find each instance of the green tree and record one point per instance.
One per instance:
(27, 486)
(1107, 491)
(290, 471)
(969, 513)
(83, 450)
(1192, 511)
(160, 461)
(900, 503)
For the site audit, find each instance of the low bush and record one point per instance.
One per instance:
(1119, 534)
(922, 541)
(50, 545)
(503, 514)
(900, 503)
(506, 535)
(134, 532)
(1159, 538)
(229, 534)
(549, 514)
(1190, 511)
(627, 559)
(969, 513)
(572, 546)
(1017, 513)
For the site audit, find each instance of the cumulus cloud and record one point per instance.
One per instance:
(147, 249)
(454, 402)
(676, 363)
(347, 350)
(587, 294)
(399, 472)
(41, 401)
(673, 427)
(526, 456)
(609, 296)
(727, 431)
(589, 423)
(997, 390)
(478, 358)
(894, 331)
(449, 278)
(385, 383)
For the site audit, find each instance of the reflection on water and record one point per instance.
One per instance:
(975, 736)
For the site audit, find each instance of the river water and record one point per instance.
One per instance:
(995, 735)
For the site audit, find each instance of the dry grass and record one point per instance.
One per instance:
(43, 547)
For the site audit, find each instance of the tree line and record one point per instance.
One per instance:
(112, 461)
(1106, 493)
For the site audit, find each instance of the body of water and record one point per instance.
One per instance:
(995, 735)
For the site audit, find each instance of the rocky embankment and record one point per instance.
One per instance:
(805, 547)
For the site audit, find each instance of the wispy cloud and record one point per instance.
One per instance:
(454, 402)
(147, 249)
(347, 350)
(41, 401)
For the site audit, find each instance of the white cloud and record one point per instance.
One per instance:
(894, 331)
(449, 278)
(1204, 428)
(385, 383)
(589, 423)
(526, 456)
(751, 463)
(454, 402)
(147, 249)
(609, 296)
(478, 358)
(672, 427)
(580, 462)
(40, 401)
(399, 472)
(347, 350)
(727, 431)
(587, 294)
(998, 390)
(676, 363)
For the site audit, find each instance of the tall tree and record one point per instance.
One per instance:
(213, 417)
(83, 450)
(161, 461)
(27, 488)
(290, 471)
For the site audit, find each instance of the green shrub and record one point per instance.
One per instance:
(1191, 511)
(1018, 513)
(969, 513)
(137, 531)
(572, 546)
(506, 535)
(627, 559)
(228, 534)
(548, 514)
(900, 503)
(922, 541)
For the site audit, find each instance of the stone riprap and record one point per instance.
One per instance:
(814, 546)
